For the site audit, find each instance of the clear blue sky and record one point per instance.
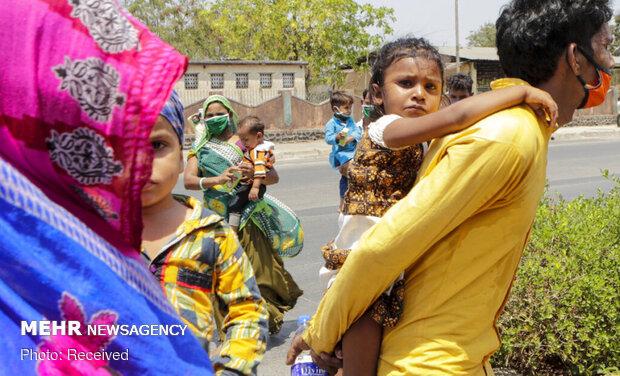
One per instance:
(434, 19)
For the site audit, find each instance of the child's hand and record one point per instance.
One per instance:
(542, 103)
(253, 195)
(247, 169)
(339, 136)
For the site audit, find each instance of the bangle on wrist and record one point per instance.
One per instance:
(200, 184)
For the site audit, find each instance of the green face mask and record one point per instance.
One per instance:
(367, 110)
(217, 124)
(342, 116)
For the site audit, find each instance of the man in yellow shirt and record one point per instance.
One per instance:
(460, 232)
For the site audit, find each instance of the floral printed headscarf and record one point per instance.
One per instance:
(173, 112)
(81, 86)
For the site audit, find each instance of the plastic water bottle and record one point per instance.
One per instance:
(231, 184)
(304, 366)
(345, 133)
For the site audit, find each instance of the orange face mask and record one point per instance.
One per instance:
(595, 94)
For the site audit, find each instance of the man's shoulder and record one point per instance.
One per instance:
(516, 125)
(514, 131)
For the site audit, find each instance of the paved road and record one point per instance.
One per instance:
(310, 187)
(574, 167)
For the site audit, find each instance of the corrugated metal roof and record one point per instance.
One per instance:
(248, 62)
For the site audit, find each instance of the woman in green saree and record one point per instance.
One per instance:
(215, 156)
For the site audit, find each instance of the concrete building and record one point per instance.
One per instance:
(247, 82)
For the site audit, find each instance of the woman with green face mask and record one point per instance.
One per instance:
(214, 159)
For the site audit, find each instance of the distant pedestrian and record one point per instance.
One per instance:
(459, 87)
(406, 85)
(342, 133)
(268, 228)
(79, 89)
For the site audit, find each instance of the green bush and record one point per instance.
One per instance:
(563, 315)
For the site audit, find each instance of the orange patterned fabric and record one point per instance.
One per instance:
(379, 177)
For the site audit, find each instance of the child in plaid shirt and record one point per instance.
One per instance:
(260, 154)
(197, 259)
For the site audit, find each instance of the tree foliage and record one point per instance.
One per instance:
(614, 48)
(179, 23)
(483, 37)
(326, 33)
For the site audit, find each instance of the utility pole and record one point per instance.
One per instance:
(456, 26)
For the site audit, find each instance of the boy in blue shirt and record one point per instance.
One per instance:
(342, 133)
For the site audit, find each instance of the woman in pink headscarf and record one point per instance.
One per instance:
(81, 86)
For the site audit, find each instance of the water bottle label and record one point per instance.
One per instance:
(307, 369)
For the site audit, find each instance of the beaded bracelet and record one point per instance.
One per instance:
(200, 184)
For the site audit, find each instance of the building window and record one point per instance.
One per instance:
(242, 80)
(217, 80)
(191, 80)
(265, 80)
(288, 80)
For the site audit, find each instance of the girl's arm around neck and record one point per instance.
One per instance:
(458, 116)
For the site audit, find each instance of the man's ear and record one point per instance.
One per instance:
(574, 59)
(377, 95)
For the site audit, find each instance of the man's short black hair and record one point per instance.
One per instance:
(460, 81)
(340, 98)
(532, 35)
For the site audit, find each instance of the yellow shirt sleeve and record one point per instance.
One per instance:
(472, 174)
